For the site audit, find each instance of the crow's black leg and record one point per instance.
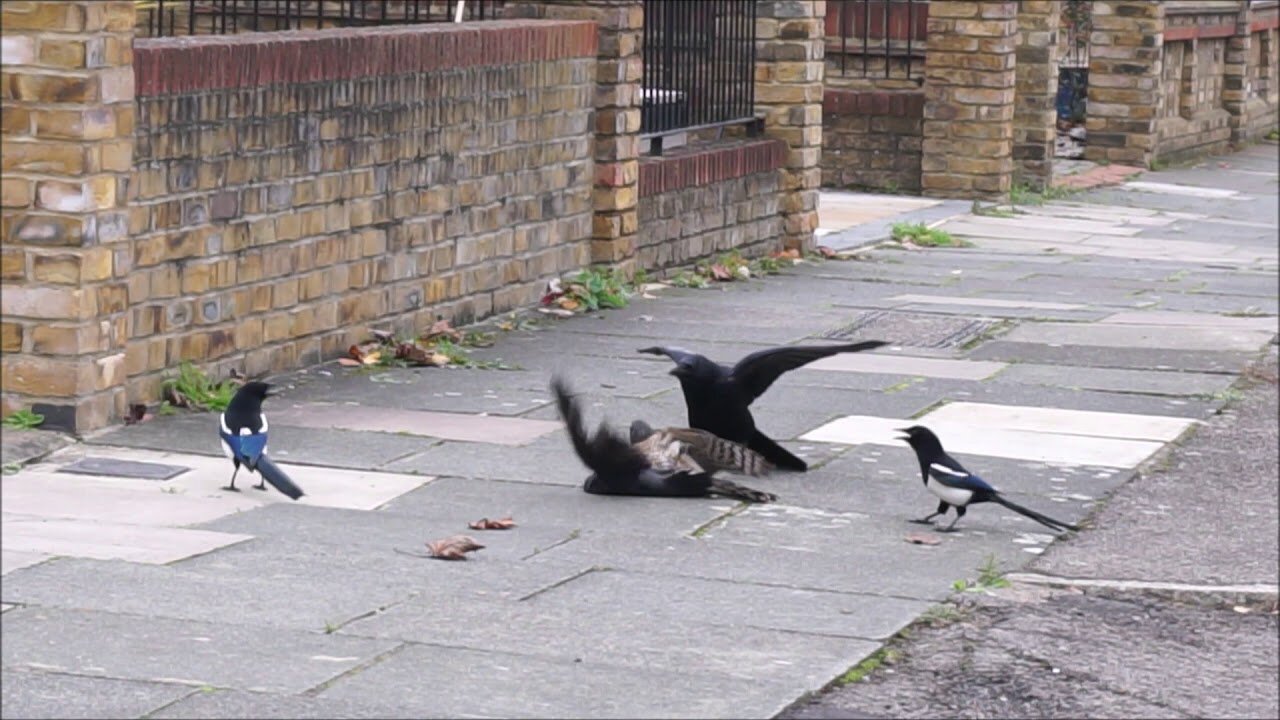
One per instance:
(232, 487)
(928, 519)
(959, 514)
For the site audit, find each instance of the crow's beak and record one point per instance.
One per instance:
(678, 371)
(906, 436)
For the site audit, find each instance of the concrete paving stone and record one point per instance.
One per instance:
(1117, 380)
(1211, 361)
(98, 499)
(998, 230)
(1182, 190)
(501, 684)
(672, 332)
(876, 480)
(455, 391)
(549, 466)
(1028, 246)
(1185, 319)
(1012, 313)
(194, 653)
(324, 486)
(1197, 407)
(1215, 303)
(904, 365)
(105, 541)
(113, 467)
(34, 694)
(1063, 421)
(550, 356)
(249, 599)
(865, 556)
(252, 706)
(23, 446)
(1119, 197)
(11, 560)
(446, 426)
(946, 300)
(731, 605)
(457, 501)
(1055, 225)
(621, 635)
(997, 442)
(381, 532)
(6, 607)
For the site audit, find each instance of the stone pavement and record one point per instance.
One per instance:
(1057, 356)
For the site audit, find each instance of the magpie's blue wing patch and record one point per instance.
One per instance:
(246, 448)
(959, 479)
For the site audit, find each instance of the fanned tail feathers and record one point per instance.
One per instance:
(606, 454)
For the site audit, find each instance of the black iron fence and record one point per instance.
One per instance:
(699, 66)
(157, 18)
(877, 38)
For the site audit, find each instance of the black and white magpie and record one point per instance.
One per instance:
(243, 434)
(957, 487)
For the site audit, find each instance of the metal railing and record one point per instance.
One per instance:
(699, 67)
(877, 38)
(1077, 26)
(159, 18)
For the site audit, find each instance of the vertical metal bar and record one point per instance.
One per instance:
(752, 11)
(255, 15)
(911, 33)
(886, 34)
(191, 17)
(866, 33)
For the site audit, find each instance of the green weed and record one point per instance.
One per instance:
(989, 578)
(924, 236)
(193, 389)
(859, 672)
(24, 419)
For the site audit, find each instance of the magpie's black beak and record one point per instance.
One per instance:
(906, 436)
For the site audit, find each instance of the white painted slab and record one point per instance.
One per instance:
(1171, 318)
(1064, 422)
(465, 427)
(1185, 190)
(111, 541)
(985, 302)
(906, 365)
(1139, 336)
(40, 492)
(11, 560)
(324, 486)
(966, 438)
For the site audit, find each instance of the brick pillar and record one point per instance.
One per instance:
(1124, 81)
(790, 47)
(617, 150)
(1236, 87)
(969, 99)
(68, 156)
(1034, 112)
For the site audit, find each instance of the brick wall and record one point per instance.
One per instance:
(281, 207)
(871, 139)
(1192, 119)
(702, 200)
(1259, 112)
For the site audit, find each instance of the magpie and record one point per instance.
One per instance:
(243, 434)
(718, 397)
(671, 462)
(957, 487)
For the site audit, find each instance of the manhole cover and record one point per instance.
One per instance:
(913, 329)
(123, 468)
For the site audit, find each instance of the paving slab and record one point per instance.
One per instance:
(105, 499)
(996, 230)
(1210, 361)
(1167, 318)
(1019, 444)
(621, 635)
(105, 540)
(1060, 421)
(177, 651)
(212, 703)
(498, 684)
(1094, 226)
(1183, 190)
(985, 302)
(11, 560)
(24, 446)
(1117, 380)
(447, 426)
(501, 393)
(906, 365)
(35, 694)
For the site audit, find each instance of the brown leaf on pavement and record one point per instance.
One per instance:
(721, 273)
(442, 328)
(923, 539)
(505, 523)
(454, 547)
(826, 252)
(383, 336)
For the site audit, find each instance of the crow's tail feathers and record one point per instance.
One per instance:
(1042, 519)
(777, 455)
(274, 475)
(731, 489)
(606, 454)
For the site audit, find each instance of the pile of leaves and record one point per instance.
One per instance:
(195, 390)
(732, 267)
(592, 289)
(440, 346)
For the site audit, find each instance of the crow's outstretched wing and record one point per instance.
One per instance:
(756, 372)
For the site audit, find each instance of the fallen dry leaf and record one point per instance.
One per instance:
(383, 336)
(349, 362)
(442, 328)
(826, 252)
(412, 353)
(372, 358)
(720, 272)
(505, 523)
(923, 539)
(454, 547)
(791, 254)
(568, 303)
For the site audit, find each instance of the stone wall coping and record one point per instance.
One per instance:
(701, 165)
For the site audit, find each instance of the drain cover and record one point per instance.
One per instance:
(913, 329)
(123, 468)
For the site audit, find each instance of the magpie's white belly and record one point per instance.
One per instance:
(949, 495)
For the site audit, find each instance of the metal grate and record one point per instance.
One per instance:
(877, 38)
(699, 66)
(921, 330)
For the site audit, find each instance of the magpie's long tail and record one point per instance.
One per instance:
(274, 475)
(779, 456)
(1042, 519)
(732, 489)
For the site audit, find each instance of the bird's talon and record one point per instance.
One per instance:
(260, 487)
(921, 521)
(230, 488)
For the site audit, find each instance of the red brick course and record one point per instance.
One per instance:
(697, 167)
(166, 66)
